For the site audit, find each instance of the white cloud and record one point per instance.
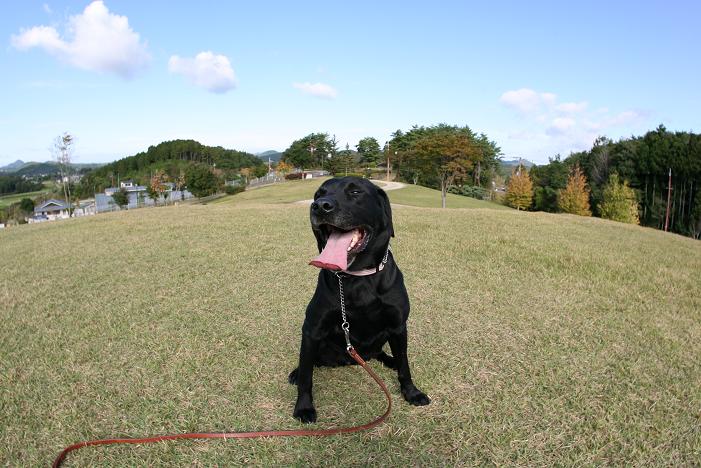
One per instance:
(560, 126)
(319, 90)
(206, 70)
(572, 107)
(624, 118)
(47, 8)
(527, 100)
(98, 41)
(546, 127)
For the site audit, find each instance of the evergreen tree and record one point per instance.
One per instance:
(121, 198)
(620, 203)
(574, 198)
(519, 192)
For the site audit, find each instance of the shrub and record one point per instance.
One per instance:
(295, 176)
(234, 189)
(472, 191)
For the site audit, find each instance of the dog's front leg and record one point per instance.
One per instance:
(304, 408)
(398, 345)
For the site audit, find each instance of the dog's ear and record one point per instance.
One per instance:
(387, 210)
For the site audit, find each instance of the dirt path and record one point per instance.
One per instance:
(386, 186)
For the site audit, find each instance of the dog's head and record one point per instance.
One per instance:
(352, 221)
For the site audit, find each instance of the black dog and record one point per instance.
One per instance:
(352, 221)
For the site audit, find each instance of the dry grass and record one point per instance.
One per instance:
(542, 340)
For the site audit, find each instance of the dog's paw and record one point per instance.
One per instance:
(292, 378)
(415, 396)
(305, 415)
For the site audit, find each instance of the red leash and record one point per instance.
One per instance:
(246, 435)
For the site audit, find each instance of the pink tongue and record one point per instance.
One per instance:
(335, 254)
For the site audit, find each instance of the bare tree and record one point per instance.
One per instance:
(62, 151)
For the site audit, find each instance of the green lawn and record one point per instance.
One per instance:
(411, 195)
(542, 339)
(7, 200)
(416, 195)
(287, 192)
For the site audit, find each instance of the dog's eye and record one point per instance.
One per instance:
(356, 192)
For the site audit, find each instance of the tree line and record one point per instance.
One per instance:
(636, 169)
(439, 156)
(17, 184)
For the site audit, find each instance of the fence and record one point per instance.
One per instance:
(105, 203)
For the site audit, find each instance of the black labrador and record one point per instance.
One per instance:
(352, 221)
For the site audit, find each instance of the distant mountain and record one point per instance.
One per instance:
(514, 162)
(272, 154)
(15, 166)
(507, 166)
(49, 168)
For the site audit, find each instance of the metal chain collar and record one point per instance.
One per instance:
(345, 326)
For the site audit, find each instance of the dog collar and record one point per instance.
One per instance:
(370, 271)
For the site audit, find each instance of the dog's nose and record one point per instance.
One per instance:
(323, 205)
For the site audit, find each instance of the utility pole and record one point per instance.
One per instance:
(312, 148)
(669, 198)
(387, 152)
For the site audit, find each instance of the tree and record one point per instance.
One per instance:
(343, 162)
(180, 184)
(548, 180)
(444, 153)
(369, 150)
(309, 151)
(574, 198)
(519, 192)
(62, 151)
(283, 168)
(619, 203)
(26, 205)
(157, 185)
(121, 198)
(201, 181)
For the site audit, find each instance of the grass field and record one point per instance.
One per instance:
(7, 200)
(411, 195)
(541, 339)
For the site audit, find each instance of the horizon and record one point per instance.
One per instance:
(540, 79)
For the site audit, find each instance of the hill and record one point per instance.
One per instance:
(542, 339)
(12, 167)
(174, 158)
(272, 154)
(507, 166)
(411, 195)
(51, 169)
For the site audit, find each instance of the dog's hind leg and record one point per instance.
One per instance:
(386, 360)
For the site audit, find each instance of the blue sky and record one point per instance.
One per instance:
(539, 78)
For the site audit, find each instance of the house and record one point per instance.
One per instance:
(127, 185)
(50, 210)
(85, 208)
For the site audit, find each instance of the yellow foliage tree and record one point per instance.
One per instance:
(620, 203)
(284, 168)
(519, 192)
(574, 198)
